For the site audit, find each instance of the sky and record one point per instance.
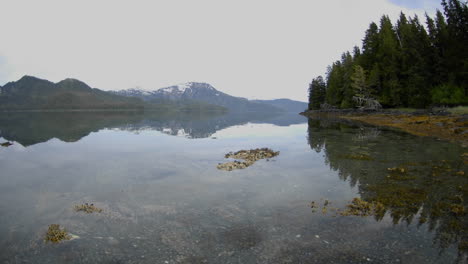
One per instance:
(258, 49)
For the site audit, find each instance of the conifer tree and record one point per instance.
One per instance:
(317, 92)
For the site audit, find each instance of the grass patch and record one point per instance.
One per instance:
(405, 110)
(459, 110)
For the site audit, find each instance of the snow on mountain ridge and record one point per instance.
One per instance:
(136, 91)
(183, 87)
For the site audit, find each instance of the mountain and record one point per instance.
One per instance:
(31, 93)
(287, 105)
(201, 92)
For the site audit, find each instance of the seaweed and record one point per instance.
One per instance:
(87, 208)
(55, 234)
(249, 157)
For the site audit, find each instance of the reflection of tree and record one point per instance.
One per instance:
(417, 179)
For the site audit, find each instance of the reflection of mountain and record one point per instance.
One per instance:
(429, 184)
(34, 127)
(202, 126)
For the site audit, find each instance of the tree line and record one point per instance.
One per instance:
(406, 64)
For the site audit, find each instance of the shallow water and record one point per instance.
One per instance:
(164, 201)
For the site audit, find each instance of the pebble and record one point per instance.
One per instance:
(112, 241)
(298, 236)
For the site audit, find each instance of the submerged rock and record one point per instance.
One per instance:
(249, 157)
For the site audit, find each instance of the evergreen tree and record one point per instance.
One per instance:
(370, 46)
(414, 52)
(405, 64)
(317, 92)
(457, 53)
(387, 56)
(347, 61)
(334, 94)
(359, 83)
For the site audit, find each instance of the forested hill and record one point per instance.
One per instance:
(31, 93)
(408, 63)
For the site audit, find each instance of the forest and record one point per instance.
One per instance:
(404, 64)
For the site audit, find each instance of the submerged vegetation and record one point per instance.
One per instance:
(453, 128)
(249, 157)
(357, 207)
(87, 208)
(56, 234)
(410, 179)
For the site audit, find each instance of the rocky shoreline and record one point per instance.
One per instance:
(439, 124)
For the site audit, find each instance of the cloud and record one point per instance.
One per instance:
(424, 4)
(256, 49)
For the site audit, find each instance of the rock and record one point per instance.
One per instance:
(112, 241)
(249, 157)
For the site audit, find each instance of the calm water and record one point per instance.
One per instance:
(164, 201)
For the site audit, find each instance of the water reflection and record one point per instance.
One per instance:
(164, 200)
(418, 180)
(34, 127)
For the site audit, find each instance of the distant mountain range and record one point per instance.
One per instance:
(287, 105)
(204, 92)
(31, 93)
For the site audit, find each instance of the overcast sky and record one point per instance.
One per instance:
(251, 48)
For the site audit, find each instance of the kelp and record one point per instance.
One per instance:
(87, 208)
(56, 234)
(249, 157)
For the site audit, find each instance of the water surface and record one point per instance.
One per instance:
(164, 201)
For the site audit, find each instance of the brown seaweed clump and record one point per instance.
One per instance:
(359, 207)
(55, 234)
(453, 128)
(358, 157)
(249, 157)
(87, 208)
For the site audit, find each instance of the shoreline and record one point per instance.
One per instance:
(441, 125)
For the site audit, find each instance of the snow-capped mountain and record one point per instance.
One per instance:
(133, 92)
(201, 92)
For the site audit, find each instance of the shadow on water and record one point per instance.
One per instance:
(29, 128)
(418, 180)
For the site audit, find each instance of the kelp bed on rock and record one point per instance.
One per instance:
(87, 208)
(56, 234)
(453, 128)
(357, 207)
(249, 157)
